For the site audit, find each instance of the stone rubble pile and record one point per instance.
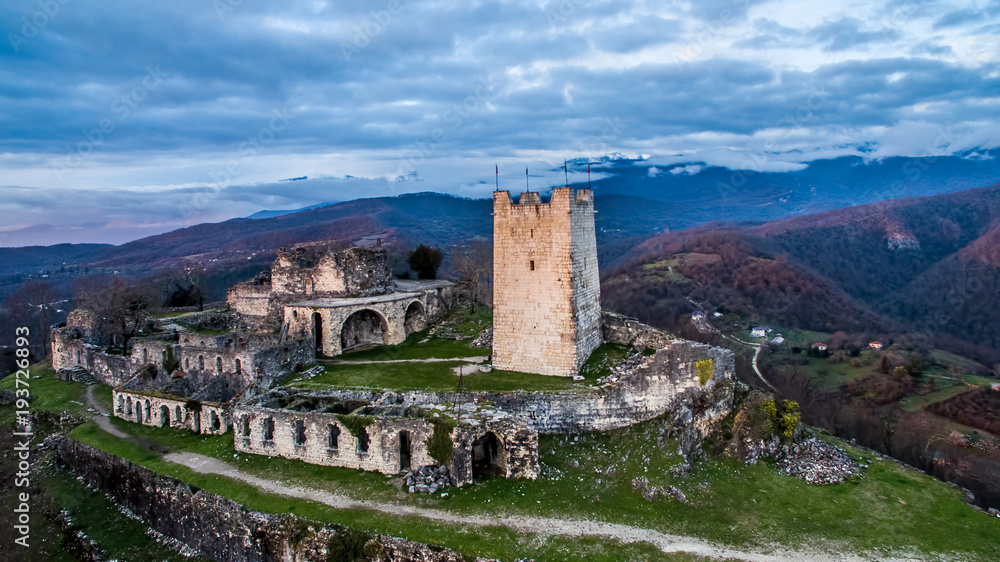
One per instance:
(628, 366)
(428, 479)
(818, 462)
(317, 370)
(650, 493)
(484, 339)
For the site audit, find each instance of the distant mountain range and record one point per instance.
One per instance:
(880, 263)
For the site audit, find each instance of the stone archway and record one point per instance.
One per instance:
(164, 415)
(415, 319)
(489, 456)
(364, 327)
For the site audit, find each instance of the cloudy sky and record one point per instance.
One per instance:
(143, 117)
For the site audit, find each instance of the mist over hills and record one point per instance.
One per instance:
(691, 192)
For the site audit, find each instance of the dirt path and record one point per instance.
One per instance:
(541, 525)
(101, 419)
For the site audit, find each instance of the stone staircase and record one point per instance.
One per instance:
(78, 374)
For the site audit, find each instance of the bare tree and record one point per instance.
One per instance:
(120, 303)
(34, 306)
(474, 265)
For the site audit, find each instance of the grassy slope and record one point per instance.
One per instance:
(731, 503)
(57, 490)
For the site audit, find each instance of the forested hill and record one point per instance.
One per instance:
(926, 263)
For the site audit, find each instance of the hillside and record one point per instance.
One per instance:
(916, 264)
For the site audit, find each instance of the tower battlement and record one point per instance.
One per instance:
(546, 289)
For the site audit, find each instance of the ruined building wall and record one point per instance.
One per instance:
(69, 351)
(355, 272)
(161, 411)
(250, 300)
(218, 528)
(546, 295)
(666, 381)
(250, 423)
(382, 454)
(623, 330)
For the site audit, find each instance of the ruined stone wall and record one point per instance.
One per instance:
(623, 330)
(391, 312)
(244, 359)
(90, 327)
(520, 450)
(382, 455)
(272, 363)
(355, 272)
(667, 380)
(538, 248)
(67, 348)
(161, 411)
(218, 528)
(69, 351)
(261, 359)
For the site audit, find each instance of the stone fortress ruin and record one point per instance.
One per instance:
(315, 304)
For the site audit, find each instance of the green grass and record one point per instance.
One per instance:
(730, 503)
(169, 314)
(201, 331)
(498, 542)
(664, 271)
(48, 392)
(602, 360)
(432, 377)
(917, 403)
(412, 348)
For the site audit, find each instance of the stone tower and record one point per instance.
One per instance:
(546, 290)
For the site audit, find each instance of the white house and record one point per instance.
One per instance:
(758, 332)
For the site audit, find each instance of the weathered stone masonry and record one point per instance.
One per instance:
(546, 290)
(218, 528)
(393, 444)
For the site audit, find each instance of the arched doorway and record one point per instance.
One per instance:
(164, 415)
(364, 327)
(489, 457)
(415, 320)
(318, 332)
(405, 450)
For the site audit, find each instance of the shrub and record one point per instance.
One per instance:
(439, 444)
(705, 369)
(356, 423)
